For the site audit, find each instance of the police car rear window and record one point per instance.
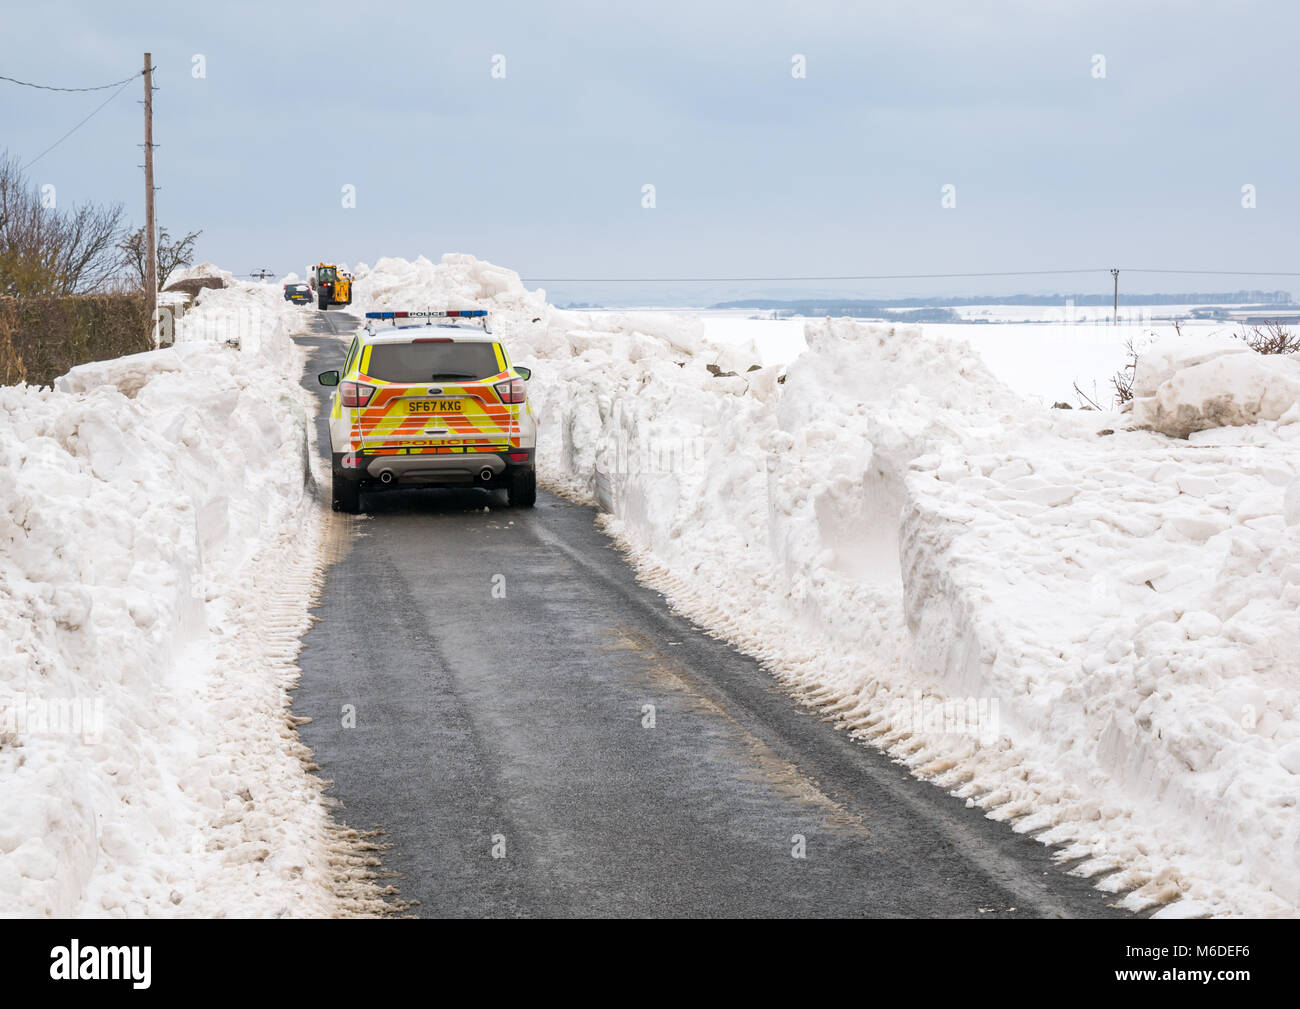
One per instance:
(428, 362)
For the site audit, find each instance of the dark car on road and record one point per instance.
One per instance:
(299, 294)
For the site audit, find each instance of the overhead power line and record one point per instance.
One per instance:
(738, 280)
(47, 87)
(1223, 273)
(891, 276)
(98, 109)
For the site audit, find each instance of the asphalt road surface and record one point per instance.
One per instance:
(502, 744)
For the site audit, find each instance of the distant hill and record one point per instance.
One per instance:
(889, 308)
(853, 309)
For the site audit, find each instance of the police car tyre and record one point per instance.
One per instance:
(522, 489)
(346, 494)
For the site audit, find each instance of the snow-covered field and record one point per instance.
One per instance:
(1067, 313)
(158, 547)
(1040, 360)
(1043, 361)
(1086, 629)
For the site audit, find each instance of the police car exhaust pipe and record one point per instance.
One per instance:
(386, 476)
(485, 475)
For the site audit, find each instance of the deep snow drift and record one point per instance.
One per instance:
(1087, 629)
(151, 597)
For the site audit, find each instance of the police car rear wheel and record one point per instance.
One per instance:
(521, 492)
(347, 495)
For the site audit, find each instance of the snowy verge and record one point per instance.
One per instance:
(157, 540)
(1086, 630)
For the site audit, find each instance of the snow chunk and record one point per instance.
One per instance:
(1289, 757)
(1291, 504)
(1228, 390)
(127, 374)
(1199, 527)
(1165, 358)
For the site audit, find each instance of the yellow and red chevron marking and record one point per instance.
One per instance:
(385, 421)
(438, 449)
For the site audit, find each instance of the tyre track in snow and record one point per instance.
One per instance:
(517, 724)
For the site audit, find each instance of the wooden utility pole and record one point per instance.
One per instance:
(150, 227)
(1114, 319)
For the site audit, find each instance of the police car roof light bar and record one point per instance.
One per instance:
(462, 313)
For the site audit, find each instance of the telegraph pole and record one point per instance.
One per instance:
(150, 227)
(1114, 319)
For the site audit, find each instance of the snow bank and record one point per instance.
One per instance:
(1196, 383)
(1094, 637)
(1088, 631)
(457, 281)
(1130, 602)
(127, 374)
(148, 513)
(202, 270)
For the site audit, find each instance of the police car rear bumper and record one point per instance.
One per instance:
(483, 469)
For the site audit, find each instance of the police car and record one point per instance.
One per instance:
(430, 399)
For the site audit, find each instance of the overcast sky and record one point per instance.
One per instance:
(757, 172)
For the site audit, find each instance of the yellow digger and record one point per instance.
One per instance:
(332, 285)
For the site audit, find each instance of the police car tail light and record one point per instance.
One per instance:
(356, 393)
(512, 391)
(352, 460)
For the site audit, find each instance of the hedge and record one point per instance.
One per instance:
(11, 365)
(41, 338)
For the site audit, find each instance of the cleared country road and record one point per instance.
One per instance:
(517, 723)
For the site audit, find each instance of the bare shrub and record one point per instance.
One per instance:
(1086, 402)
(1122, 380)
(49, 251)
(171, 255)
(1271, 338)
